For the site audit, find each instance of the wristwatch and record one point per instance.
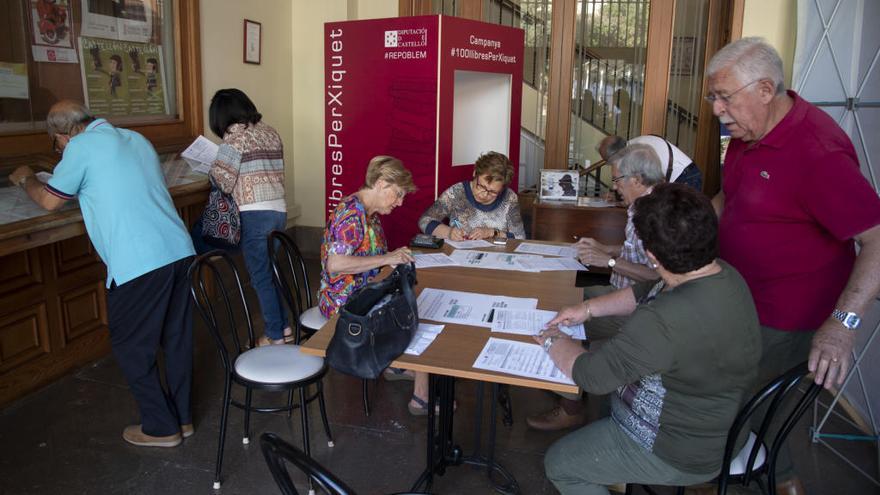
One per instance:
(547, 343)
(611, 263)
(848, 319)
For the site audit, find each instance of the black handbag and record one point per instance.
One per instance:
(375, 325)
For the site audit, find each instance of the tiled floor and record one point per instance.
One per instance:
(66, 439)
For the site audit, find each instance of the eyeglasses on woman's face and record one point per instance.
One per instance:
(483, 188)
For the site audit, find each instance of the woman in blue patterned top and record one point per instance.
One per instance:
(481, 208)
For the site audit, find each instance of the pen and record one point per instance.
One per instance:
(455, 223)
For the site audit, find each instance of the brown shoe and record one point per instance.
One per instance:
(187, 430)
(792, 486)
(135, 435)
(555, 419)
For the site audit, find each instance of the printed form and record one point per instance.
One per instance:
(430, 260)
(492, 260)
(466, 308)
(201, 154)
(531, 322)
(521, 359)
(566, 251)
(468, 244)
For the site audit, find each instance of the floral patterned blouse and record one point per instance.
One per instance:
(350, 232)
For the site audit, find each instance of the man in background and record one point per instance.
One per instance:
(677, 166)
(131, 221)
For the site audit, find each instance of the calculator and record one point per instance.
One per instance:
(426, 241)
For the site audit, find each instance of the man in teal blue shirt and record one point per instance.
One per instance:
(131, 220)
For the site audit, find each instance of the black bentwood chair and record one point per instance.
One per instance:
(276, 368)
(292, 280)
(277, 451)
(754, 460)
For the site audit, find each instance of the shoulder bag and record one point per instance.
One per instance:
(221, 223)
(375, 325)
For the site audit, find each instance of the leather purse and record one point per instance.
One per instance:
(375, 325)
(221, 221)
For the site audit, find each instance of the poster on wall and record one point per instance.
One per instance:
(51, 27)
(125, 20)
(13, 81)
(123, 77)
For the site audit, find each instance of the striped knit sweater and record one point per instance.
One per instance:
(250, 165)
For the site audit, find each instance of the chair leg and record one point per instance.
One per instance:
(247, 416)
(366, 397)
(290, 403)
(629, 489)
(224, 415)
(679, 490)
(506, 404)
(323, 408)
(304, 416)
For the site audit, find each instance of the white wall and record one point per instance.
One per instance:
(307, 88)
(267, 84)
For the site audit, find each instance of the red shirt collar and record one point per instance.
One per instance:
(779, 135)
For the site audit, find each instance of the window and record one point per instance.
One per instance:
(120, 57)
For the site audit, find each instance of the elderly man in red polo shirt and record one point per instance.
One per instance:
(792, 207)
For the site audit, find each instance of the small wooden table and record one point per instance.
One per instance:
(454, 351)
(560, 221)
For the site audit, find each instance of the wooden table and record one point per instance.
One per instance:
(454, 351)
(559, 221)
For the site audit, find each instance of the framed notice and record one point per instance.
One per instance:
(559, 184)
(253, 32)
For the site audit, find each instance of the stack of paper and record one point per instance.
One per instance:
(468, 244)
(424, 336)
(492, 260)
(566, 251)
(200, 154)
(521, 359)
(530, 322)
(466, 308)
(429, 260)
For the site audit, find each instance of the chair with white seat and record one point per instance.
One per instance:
(292, 280)
(274, 368)
(754, 459)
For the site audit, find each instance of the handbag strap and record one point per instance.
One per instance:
(670, 160)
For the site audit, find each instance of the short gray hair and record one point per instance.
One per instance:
(640, 160)
(750, 59)
(67, 116)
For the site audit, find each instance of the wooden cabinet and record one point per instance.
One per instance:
(53, 314)
(563, 221)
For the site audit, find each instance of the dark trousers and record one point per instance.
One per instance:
(151, 312)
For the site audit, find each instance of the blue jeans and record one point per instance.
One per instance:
(255, 229)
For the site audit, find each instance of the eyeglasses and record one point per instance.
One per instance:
(619, 178)
(725, 99)
(485, 189)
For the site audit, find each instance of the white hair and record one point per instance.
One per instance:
(66, 118)
(750, 59)
(640, 160)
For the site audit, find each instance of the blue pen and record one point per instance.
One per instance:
(455, 223)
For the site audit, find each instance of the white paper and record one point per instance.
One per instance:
(424, 336)
(13, 81)
(466, 308)
(550, 264)
(519, 358)
(547, 249)
(202, 168)
(430, 260)
(492, 260)
(531, 322)
(202, 150)
(54, 54)
(469, 244)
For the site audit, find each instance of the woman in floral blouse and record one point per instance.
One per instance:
(354, 249)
